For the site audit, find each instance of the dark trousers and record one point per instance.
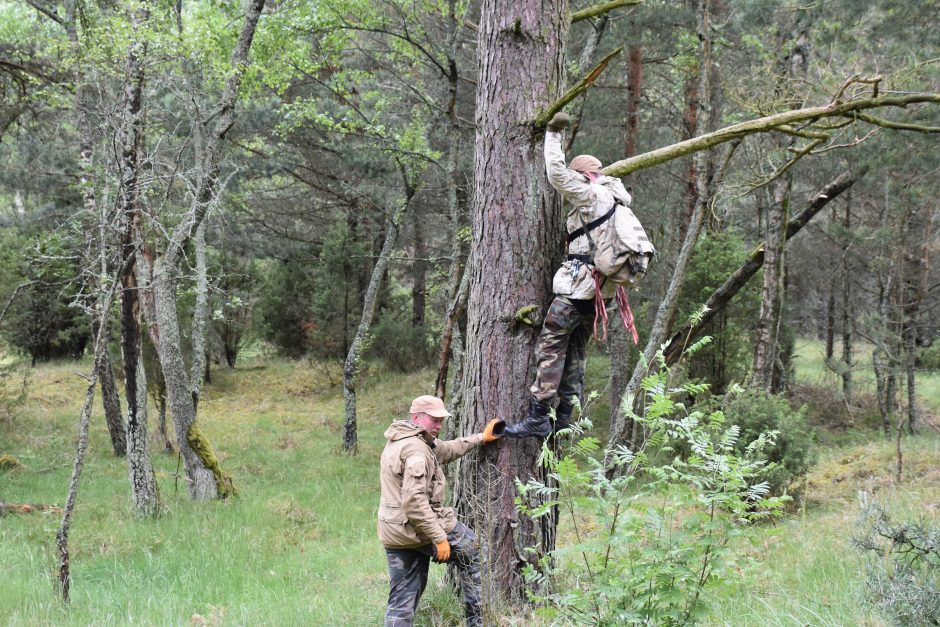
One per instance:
(560, 350)
(408, 574)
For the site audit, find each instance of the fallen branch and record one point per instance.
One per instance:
(760, 125)
(27, 508)
(733, 284)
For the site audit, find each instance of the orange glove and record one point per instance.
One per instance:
(442, 550)
(494, 430)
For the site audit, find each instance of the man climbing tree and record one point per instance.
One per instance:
(578, 286)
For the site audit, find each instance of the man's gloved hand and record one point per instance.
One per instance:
(442, 551)
(494, 430)
(559, 122)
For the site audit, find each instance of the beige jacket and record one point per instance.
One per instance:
(588, 201)
(412, 512)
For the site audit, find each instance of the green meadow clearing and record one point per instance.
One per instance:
(298, 546)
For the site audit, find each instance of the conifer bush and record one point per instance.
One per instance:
(792, 452)
(902, 566)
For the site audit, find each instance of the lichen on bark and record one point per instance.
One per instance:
(201, 447)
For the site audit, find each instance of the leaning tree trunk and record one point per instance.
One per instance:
(205, 477)
(621, 431)
(354, 356)
(517, 240)
(717, 301)
(111, 401)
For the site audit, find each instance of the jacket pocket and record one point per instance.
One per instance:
(394, 528)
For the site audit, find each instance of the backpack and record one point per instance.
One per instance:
(620, 249)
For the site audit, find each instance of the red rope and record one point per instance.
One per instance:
(600, 310)
(626, 314)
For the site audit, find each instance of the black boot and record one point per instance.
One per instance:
(535, 425)
(563, 414)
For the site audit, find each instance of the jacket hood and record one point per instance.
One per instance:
(615, 187)
(401, 429)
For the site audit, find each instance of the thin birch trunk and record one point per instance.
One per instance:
(200, 363)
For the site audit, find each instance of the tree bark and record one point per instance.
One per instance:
(200, 361)
(518, 232)
(765, 344)
(618, 341)
(205, 477)
(142, 478)
(111, 401)
(354, 356)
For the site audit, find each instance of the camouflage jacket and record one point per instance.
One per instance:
(412, 512)
(588, 202)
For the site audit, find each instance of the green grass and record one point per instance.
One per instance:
(298, 546)
(811, 370)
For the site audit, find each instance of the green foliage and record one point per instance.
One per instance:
(43, 320)
(401, 345)
(903, 566)
(792, 452)
(717, 255)
(650, 532)
(929, 357)
(311, 301)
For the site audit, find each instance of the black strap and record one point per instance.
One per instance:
(593, 224)
(582, 258)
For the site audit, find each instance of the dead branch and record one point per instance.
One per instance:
(27, 508)
(542, 119)
(733, 284)
(599, 9)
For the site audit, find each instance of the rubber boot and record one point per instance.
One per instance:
(535, 425)
(563, 415)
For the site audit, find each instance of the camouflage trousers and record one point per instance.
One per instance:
(560, 350)
(408, 572)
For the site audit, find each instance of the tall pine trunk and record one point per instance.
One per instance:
(517, 240)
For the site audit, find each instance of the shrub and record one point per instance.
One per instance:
(652, 536)
(903, 566)
(755, 412)
(403, 347)
(929, 357)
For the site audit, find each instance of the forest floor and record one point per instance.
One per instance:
(298, 546)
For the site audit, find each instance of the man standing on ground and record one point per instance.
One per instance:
(414, 526)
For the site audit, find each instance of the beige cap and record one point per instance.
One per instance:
(585, 163)
(430, 405)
